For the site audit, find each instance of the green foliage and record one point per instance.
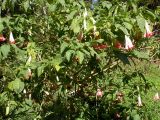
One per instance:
(56, 66)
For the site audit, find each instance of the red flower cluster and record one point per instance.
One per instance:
(118, 45)
(2, 39)
(100, 46)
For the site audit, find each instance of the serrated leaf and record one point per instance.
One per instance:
(5, 49)
(107, 4)
(17, 85)
(40, 70)
(62, 2)
(143, 55)
(123, 29)
(26, 5)
(70, 16)
(80, 56)
(75, 25)
(69, 53)
(127, 25)
(136, 117)
(141, 23)
(64, 45)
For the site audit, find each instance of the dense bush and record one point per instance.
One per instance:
(67, 59)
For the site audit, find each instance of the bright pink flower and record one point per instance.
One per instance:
(128, 43)
(2, 39)
(11, 38)
(148, 33)
(99, 93)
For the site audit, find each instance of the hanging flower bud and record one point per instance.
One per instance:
(148, 32)
(46, 92)
(29, 72)
(29, 60)
(24, 91)
(156, 96)
(84, 21)
(11, 38)
(84, 24)
(99, 93)
(85, 13)
(139, 100)
(94, 26)
(2, 39)
(128, 43)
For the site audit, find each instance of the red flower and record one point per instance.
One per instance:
(2, 39)
(118, 45)
(148, 35)
(100, 46)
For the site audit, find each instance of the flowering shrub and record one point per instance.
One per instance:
(73, 59)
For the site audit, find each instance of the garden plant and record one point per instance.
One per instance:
(79, 60)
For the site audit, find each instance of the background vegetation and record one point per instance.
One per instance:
(69, 60)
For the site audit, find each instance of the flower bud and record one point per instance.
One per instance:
(99, 93)
(11, 38)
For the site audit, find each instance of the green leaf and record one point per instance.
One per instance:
(141, 23)
(80, 56)
(17, 85)
(40, 70)
(1, 25)
(69, 54)
(136, 117)
(26, 5)
(5, 49)
(64, 45)
(127, 25)
(75, 25)
(123, 57)
(62, 2)
(123, 29)
(52, 8)
(56, 62)
(71, 15)
(150, 14)
(57, 67)
(143, 55)
(107, 4)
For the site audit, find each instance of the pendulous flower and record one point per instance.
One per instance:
(11, 38)
(139, 101)
(148, 33)
(128, 43)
